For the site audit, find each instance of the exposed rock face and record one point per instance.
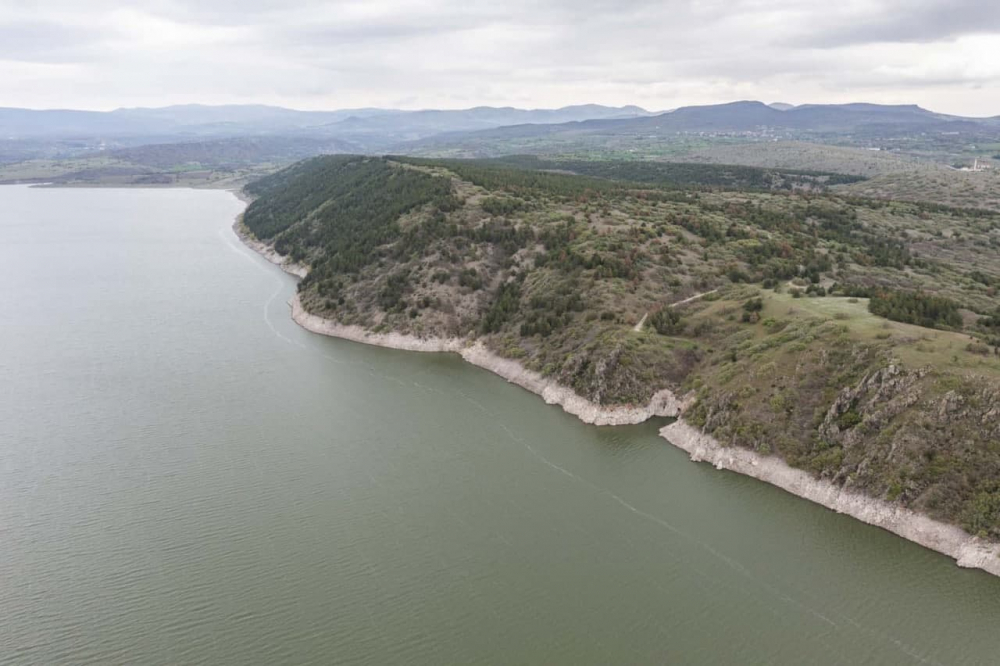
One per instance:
(968, 551)
(317, 324)
(663, 403)
(880, 396)
(901, 438)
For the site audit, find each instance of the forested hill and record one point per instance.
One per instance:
(677, 175)
(856, 339)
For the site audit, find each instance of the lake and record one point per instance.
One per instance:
(187, 477)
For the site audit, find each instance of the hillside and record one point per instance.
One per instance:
(676, 175)
(888, 175)
(948, 186)
(855, 339)
(804, 155)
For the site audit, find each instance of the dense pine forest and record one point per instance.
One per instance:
(675, 175)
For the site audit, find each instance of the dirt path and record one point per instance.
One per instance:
(638, 327)
(693, 298)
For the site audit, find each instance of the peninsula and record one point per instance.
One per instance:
(844, 349)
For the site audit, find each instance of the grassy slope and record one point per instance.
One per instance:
(804, 155)
(556, 270)
(950, 187)
(897, 411)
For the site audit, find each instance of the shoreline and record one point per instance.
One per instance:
(265, 250)
(663, 403)
(968, 551)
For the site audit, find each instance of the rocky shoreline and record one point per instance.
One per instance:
(268, 252)
(966, 550)
(663, 403)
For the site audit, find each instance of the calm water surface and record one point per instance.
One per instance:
(186, 477)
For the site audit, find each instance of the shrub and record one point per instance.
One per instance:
(469, 277)
(982, 516)
(978, 348)
(815, 290)
(916, 308)
(848, 420)
(667, 321)
(501, 205)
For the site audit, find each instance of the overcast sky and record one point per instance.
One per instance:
(101, 54)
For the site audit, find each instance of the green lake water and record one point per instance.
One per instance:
(187, 477)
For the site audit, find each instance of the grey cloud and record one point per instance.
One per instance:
(466, 52)
(336, 34)
(38, 41)
(916, 21)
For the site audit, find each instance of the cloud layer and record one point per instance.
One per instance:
(100, 54)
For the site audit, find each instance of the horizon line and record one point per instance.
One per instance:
(464, 108)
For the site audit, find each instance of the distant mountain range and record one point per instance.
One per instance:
(201, 121)
(382, 131)
(26, 133)
(851, 124)
(756, 116)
